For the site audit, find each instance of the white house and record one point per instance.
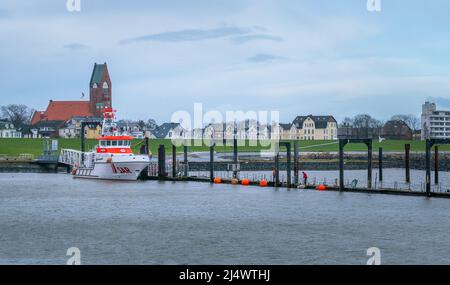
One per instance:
(7, 130)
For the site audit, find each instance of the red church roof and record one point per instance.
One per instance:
(62, 111)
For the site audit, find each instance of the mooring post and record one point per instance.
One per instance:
(369, 164)
(186, 165)
(407, 164)
(235, 152)
(341, 165)
(288, 167)
(428, 167)
(161, 162)
(211, 162)
(83, 124)
(174, 161)
(277, 165)
(296, 166)
(436, 164)
(380, 163)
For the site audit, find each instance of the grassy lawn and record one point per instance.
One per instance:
(14, 147)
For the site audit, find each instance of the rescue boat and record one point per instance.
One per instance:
(112, 158)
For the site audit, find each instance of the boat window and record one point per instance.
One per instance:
(108, 143)
(114, 143)
(119, 143)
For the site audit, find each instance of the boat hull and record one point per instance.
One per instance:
(113, 170)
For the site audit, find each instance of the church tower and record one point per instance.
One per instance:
(100, 96)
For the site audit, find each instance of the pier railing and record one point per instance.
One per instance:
(70, 157)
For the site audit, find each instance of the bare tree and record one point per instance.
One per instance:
(412, 121)
(17, 114)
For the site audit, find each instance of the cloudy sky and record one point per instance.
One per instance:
(298, 57)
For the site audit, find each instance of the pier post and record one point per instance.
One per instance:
(369, 164)
(428, 167)
(341, 164)
(235, 152)
(147, 147)
(380, 163)
(186, 165)
(296, 161)
(436, 164)
(161, 162)
(82, 142)
(211, 162)
(407, 164)
(174, 161)
(277, 165)
(288, 167)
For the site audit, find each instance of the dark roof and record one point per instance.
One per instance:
(319, 121)
(286, 126)
(97, 73)
(162, 131)
(50, 124)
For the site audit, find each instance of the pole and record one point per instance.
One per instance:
(211, 162)
(186, 166)
(428, 167)
(235, 151)
(288, 167)
(83, 124)
(407, 164)
(341, 164)
(296, 160)
(380, 163)
(174, 161)
(369, 164)
(436, 164)
(161, 162)
(277, 165)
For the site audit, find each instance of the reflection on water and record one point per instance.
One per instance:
(148, 222)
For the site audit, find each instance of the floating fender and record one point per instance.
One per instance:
(234, 181)
(263, 183)
(321, 187)
(217, 180)
(245, 182)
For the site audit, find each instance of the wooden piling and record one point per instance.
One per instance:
(186, 163)
(277, 166)
(341, 165)
(436, 164)
(407, 164)
(380, 164)
(174, 161)
(428, 167)
(296, 163)
(369, 164)
(211, 163)
(161, 162)
(288, 166)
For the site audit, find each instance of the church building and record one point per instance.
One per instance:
(100, 97)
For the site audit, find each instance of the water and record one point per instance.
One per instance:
(148, 222)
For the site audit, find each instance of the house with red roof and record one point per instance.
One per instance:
(99, 98)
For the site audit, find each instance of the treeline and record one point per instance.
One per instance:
(365, 121)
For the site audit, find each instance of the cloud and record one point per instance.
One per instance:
(247, 38)
(3, 14)
(190, 35)
(262, 57)
(75, 46)
(440, 102)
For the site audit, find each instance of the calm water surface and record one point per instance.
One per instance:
(147, 222)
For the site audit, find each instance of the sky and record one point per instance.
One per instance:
(297, 57)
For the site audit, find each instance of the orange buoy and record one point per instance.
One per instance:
(217, 180)
(245, 182)
(321, 187)
(263, 183)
